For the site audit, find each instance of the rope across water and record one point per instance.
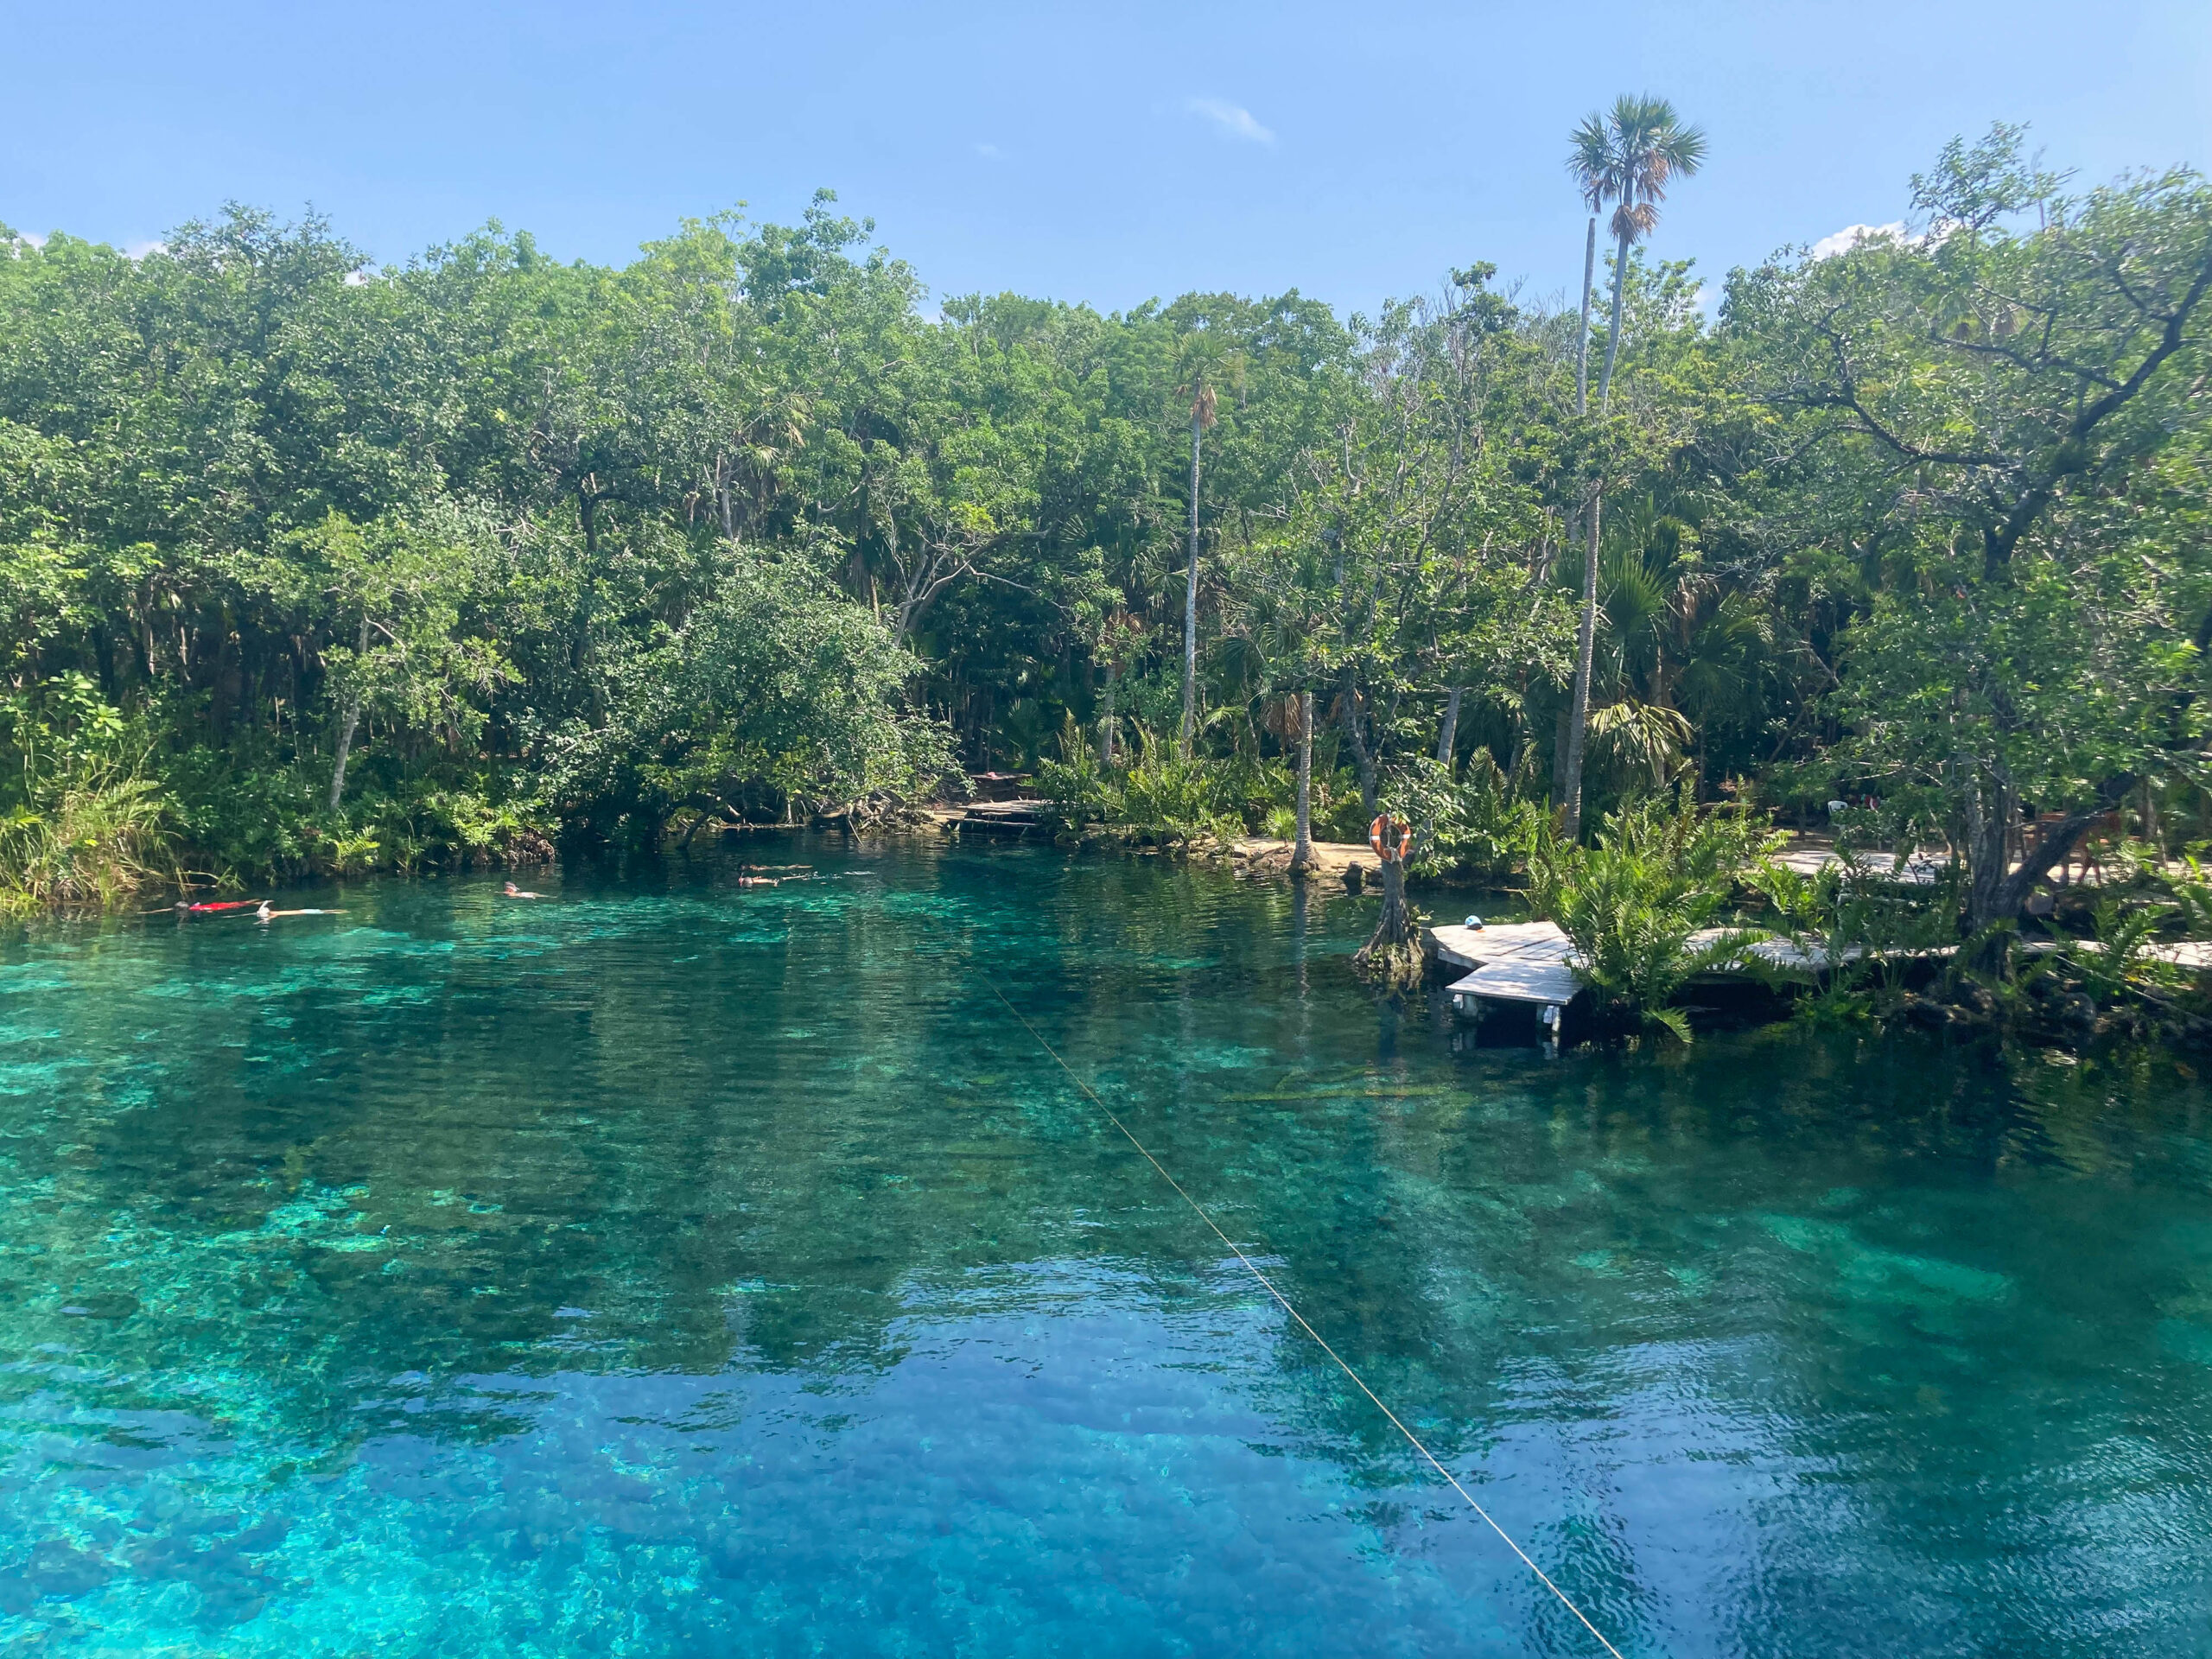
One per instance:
(1268, 1284)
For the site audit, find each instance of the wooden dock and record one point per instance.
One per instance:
(1016, 818)
(1529, 963)
(1534, 963)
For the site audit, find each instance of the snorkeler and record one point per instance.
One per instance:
(510, 891)
(211, 907)
(265, 914)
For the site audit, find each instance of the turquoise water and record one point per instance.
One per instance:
(672, 1269)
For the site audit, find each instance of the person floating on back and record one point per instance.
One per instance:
(265, 914)
(510, 891)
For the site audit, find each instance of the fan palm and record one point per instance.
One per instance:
(1627, 156)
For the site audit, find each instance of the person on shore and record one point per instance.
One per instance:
(265, 914)
(510, 891)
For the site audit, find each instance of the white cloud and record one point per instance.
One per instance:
(35, 238)
(140, 250)
(1851, 235)
(1232, 118)
(990, 152)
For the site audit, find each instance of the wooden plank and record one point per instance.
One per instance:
(1521, 979)
(1511, 961)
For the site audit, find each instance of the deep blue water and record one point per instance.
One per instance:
(670, 1268)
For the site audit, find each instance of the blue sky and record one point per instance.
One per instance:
(1085, 152)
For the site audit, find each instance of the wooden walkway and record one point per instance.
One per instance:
(1534, 963)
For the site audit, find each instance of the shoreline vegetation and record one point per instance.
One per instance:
(312, 566)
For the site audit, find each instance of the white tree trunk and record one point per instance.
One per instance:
(1582, 340)
(348, 724)
(1191, 603)
(1584, 649)
(1106, 720)
(1586, 640)
(1302, 851)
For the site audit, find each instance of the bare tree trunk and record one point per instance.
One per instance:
(1578, 721)
(1361, 756)
(1447, 740)
(1394, 928)
(1390, 956)
(1302, 851)
(1585, 643)
(1989, 823)
(1582, 340)
(1106, 720)
(1190, 602)
(1613, 335)
(349, 723)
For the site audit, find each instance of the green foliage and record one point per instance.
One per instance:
(446, 560)
(85, 834)
(2120, 959)
(1160, 796)
(1483, 826)
(1868, 933)
(1659, 873)
(2192, 895)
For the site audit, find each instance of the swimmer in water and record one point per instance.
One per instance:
(510, 891)
(210, 907)
(265, 914)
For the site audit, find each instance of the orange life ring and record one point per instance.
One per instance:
(1379, 829)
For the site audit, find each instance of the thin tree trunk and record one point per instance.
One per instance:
(1577, 719)
(1614, 335)
(1989, 823)
(349, 723)
(1582, 340)
(1361, 755)
(1190, 602)
(1586, 641)
(1106, 720)
(1302, 851)
(1447, 740)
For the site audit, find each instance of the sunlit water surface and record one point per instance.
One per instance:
(670, 1268)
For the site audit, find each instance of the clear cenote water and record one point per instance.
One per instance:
(670, 1269)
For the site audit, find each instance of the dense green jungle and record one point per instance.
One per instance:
(314, 565)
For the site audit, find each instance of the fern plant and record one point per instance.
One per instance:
(1634, 904)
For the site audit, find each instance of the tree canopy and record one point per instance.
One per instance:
(455, 557)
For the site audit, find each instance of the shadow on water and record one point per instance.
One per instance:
(670, 1264)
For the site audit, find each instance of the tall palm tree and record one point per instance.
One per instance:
(1202, 415)
(1627, 155)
